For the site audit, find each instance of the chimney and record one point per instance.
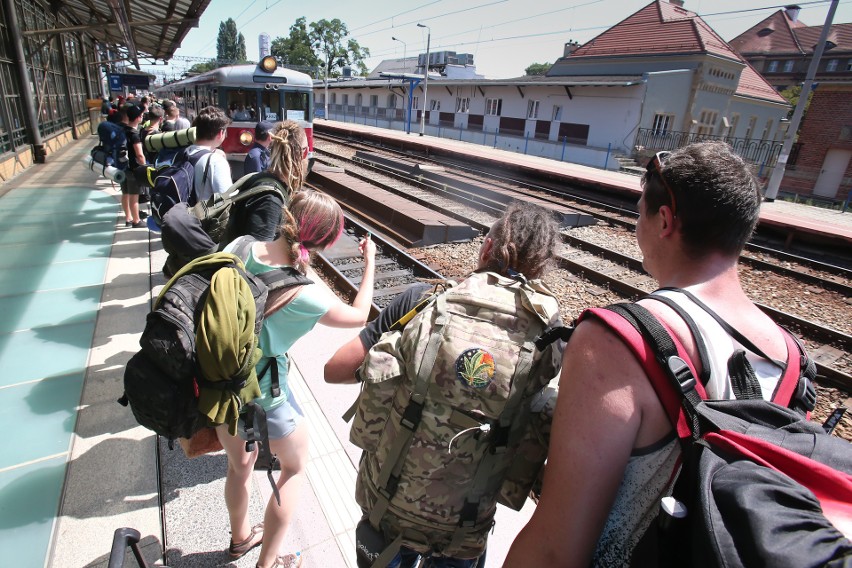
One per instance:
(678, 3)
(570, 47)
(793, 12)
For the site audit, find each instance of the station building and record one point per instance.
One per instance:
(658, 80)
(54, 55)
(781, 47)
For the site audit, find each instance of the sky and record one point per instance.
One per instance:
(504, 36)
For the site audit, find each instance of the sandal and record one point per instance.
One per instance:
(288, 561)
(255, 538)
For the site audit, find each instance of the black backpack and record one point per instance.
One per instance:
(112, 146)
(164, 381)
(175, 183)
(760, 485)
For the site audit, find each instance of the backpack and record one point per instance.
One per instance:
(190, 232)
(760, 485)
(445, 418)
(112, 146)
(199, 349)
(220, 215)
(176, 183)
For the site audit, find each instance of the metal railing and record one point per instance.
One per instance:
(763, 153)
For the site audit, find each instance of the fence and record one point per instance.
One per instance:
(763, 153)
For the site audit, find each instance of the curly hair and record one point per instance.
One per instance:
(210, 121)
(717, 198)
(285, 154)
(524, 240)
(314, 220)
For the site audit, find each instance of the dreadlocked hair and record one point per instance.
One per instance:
(285, 154)
(524, 240)
(313, 220)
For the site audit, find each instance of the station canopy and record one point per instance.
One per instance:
(150, 29)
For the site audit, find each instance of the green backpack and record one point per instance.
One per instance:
(453, 418)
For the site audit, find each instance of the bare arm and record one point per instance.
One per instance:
(137, 151)
(595, 427)
(340, 369)
(344, 315)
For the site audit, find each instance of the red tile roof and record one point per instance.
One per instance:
(779, 35)
(661, 28)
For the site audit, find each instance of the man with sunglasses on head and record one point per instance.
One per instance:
(612, 448)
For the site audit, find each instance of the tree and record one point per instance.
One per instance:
(792, 95)
(295, 49)
(327, 41)
(230, 45)
(537, 69)
(203, 67)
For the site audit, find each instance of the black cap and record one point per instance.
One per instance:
(263, 129)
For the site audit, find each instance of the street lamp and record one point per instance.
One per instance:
(404, 49)
(425, 79)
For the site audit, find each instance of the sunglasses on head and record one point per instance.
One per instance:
(655, 166)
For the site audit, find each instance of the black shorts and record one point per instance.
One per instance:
(130, 186)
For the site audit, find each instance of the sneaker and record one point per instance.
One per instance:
(288, 561)
(128, 223)
(255, 538)
(139, 224)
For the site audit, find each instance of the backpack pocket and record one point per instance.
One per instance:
(381, 375)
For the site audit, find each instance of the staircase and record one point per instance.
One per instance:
(629, 166)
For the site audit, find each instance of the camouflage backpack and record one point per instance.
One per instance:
(452, 417)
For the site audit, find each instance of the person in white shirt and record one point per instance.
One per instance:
(212, 171)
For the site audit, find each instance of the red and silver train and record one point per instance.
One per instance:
(248, 94)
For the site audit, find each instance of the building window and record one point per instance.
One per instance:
(849, 65)
(707, 122)
(831, 65)
(359, 100)
(415, 103)
(435, 104)
(773, 67)
(392, 101)
(532, 109)
(374, 101)
(462, 104)
(662, 124)
(493, 107)
(557, 113)
(788, 66)
(333, 98)
(346, 99)
(732, 129)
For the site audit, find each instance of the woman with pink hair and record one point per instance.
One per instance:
(313, 221)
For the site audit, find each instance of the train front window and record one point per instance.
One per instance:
(270, 105)
(241, 105)
(296, 105)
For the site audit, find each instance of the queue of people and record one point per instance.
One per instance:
(612, 449)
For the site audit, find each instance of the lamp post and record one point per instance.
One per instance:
(425, 78)
(404, 49)
(781, 163)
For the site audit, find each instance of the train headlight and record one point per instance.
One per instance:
(246, 137)
(268, 64)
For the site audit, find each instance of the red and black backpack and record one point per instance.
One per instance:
(759, 484)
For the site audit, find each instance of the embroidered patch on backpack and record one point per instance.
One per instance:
(475, 367)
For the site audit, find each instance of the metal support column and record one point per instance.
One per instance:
(17, 41)
(69, 105)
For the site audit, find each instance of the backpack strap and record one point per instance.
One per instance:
(704, 376)
(257, 431)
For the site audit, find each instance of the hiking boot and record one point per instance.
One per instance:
(287, 561)
(255, 538)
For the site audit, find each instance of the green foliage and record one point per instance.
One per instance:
(322, 44)
(230, 45)
(295, 49)
(792, 95)
(537, 69)
(203, 67)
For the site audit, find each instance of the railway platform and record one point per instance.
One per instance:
(75, 465)
(823, 226)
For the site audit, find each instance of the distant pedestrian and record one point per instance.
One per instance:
(257, 158)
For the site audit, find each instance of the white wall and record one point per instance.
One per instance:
(667, 93)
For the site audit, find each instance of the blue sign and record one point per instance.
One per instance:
(319, 113)
(115, 83)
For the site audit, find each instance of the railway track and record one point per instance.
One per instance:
(624, 275)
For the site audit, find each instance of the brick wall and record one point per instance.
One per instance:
(829, 112)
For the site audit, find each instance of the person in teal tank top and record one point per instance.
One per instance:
(314, 221)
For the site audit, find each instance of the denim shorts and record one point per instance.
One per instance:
(280, 421)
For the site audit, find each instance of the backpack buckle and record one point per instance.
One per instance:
(411, 417)
(681, 373)
(805, 397)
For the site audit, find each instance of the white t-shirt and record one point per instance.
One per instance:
(218, 173)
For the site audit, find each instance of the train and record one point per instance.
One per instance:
(248, 94)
